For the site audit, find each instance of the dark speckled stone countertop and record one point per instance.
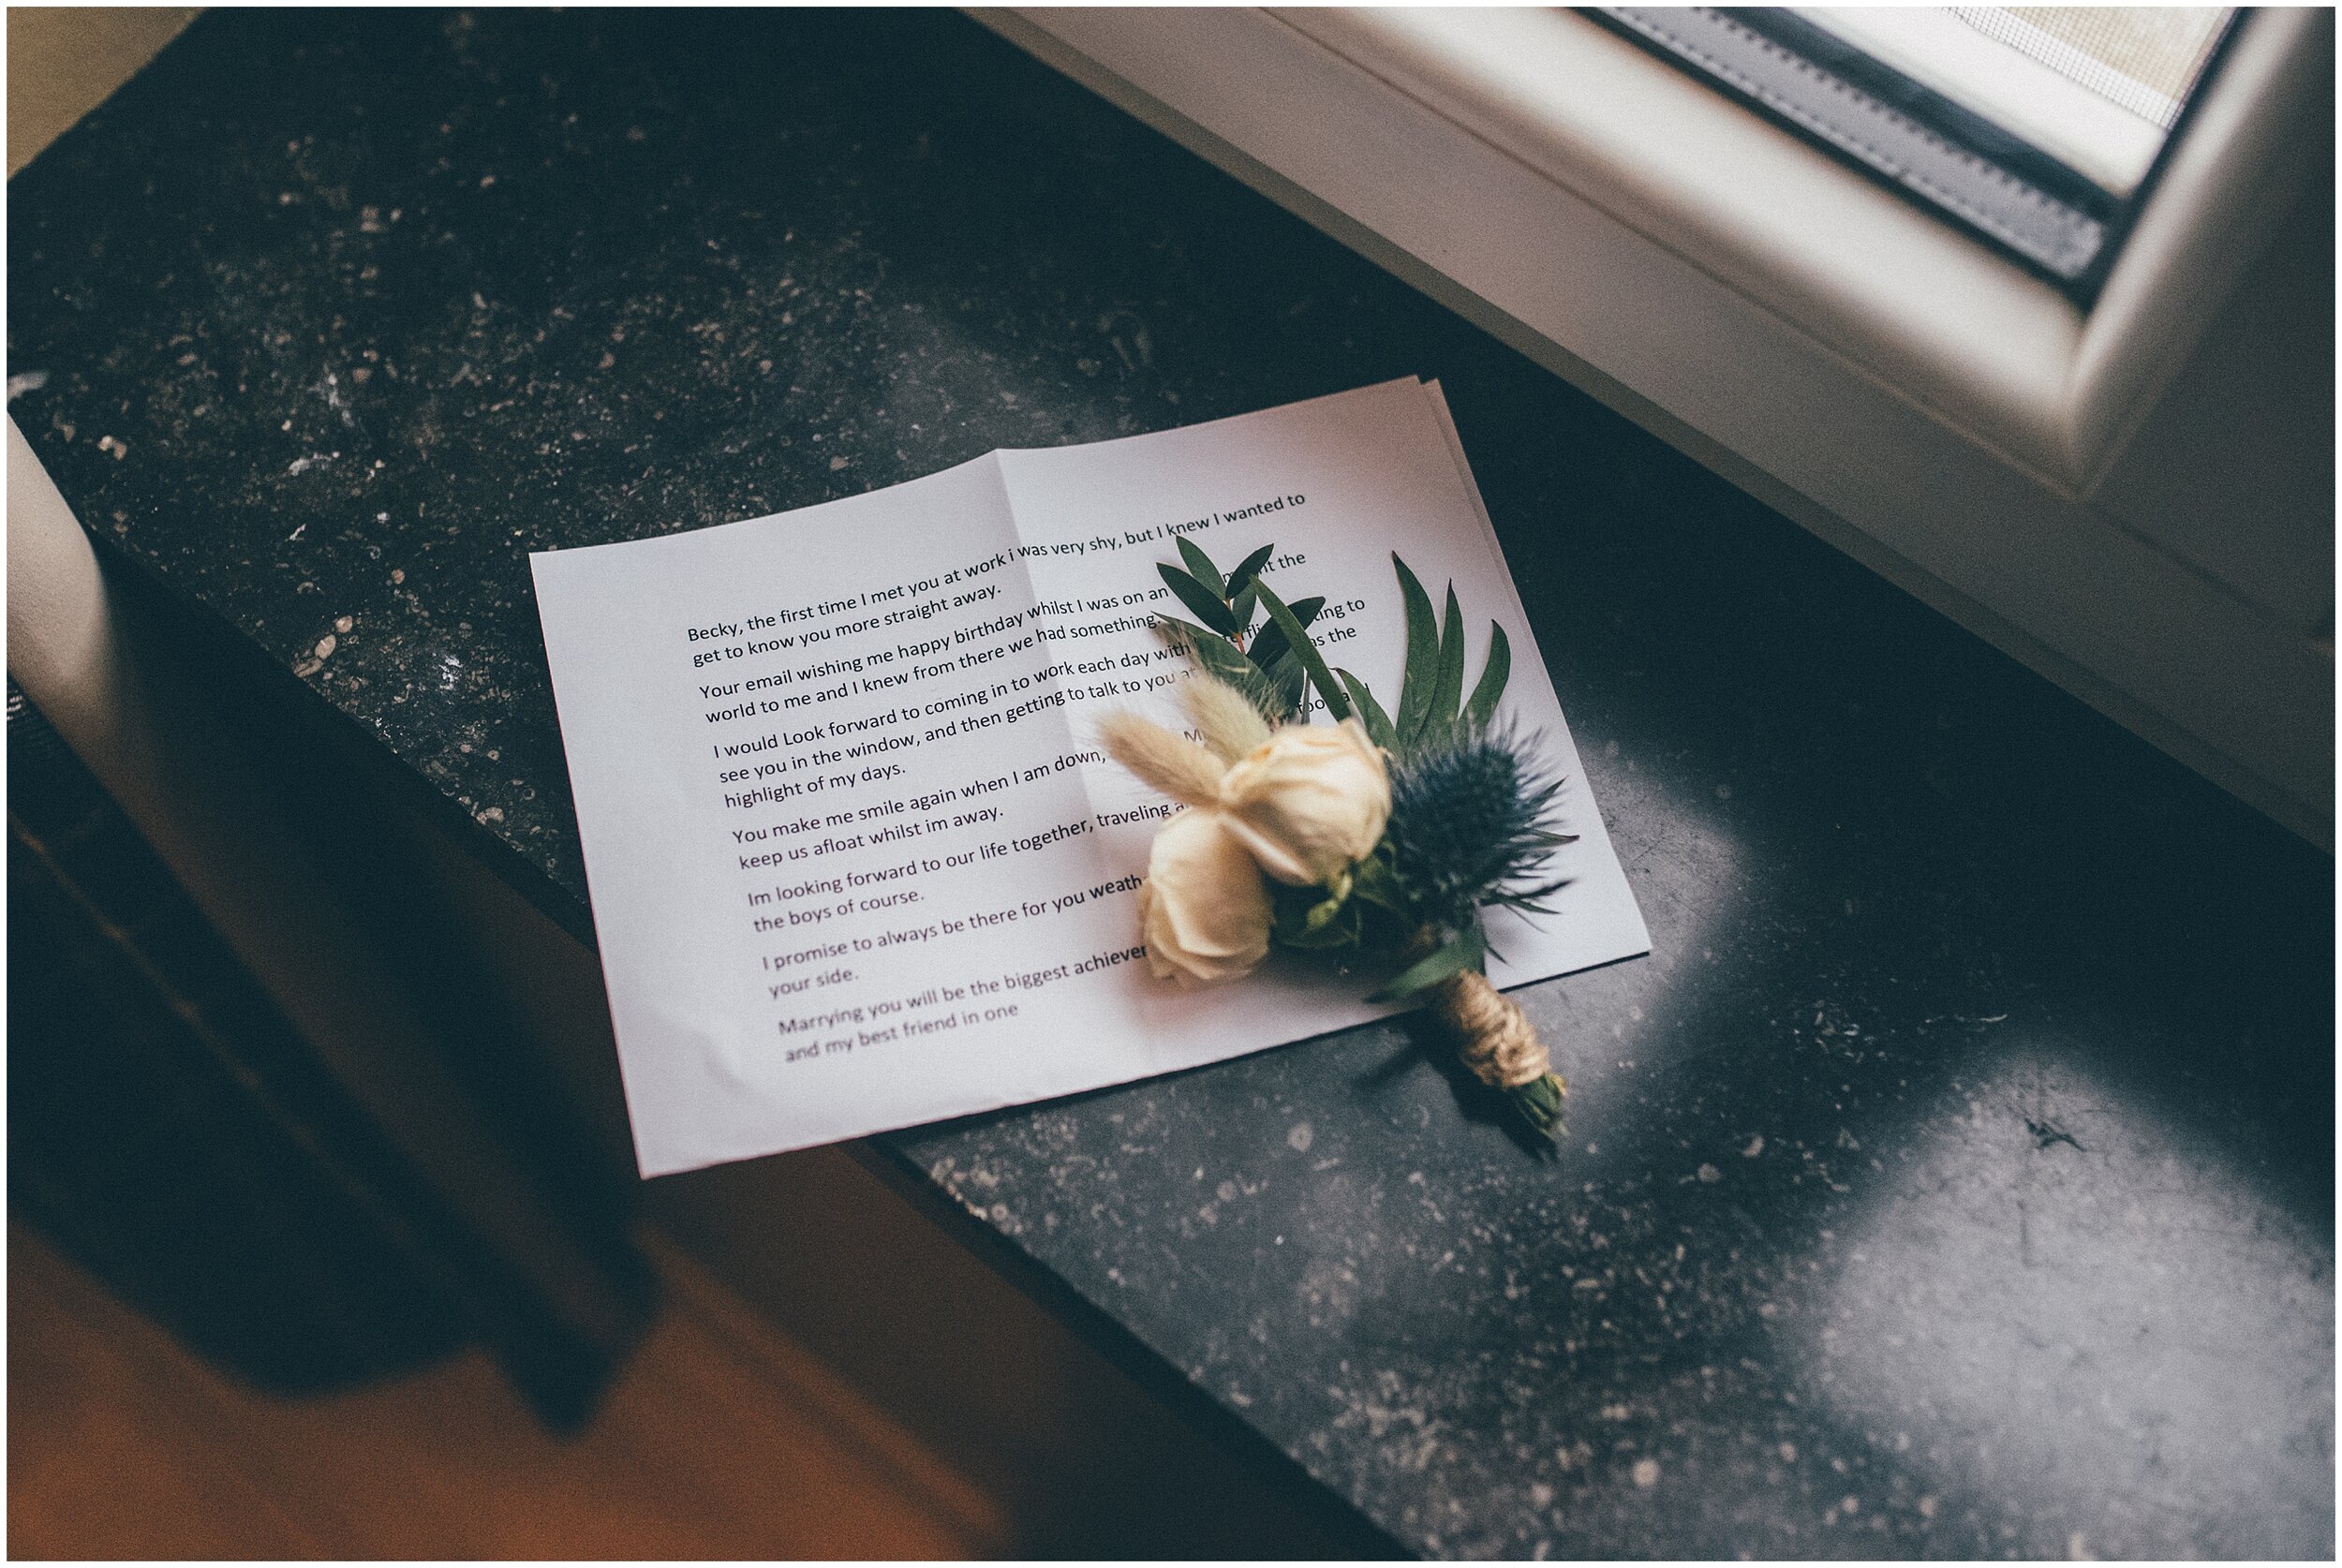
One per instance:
(1954, 1178)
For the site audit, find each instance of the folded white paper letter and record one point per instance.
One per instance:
(855, 860)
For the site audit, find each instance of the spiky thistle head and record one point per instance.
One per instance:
(1471, 823)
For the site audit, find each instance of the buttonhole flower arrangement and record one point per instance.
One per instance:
(1374, 842)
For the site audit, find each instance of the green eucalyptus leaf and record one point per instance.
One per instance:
(1494, 675)
(1200, 564)
(1320, 677)
(1207, 605)
(1241, 608)
(1179, 631)
(1271, 645)
(1214, 652)
(1276, 693)
(1468, 951)
(1377, 722)
(1422, 668)
(1249, 567)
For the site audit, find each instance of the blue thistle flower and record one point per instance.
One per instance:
(1471, 823)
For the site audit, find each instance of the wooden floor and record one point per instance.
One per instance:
(721, 1440)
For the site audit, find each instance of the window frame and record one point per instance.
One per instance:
(1844, 80)
(1917, 399)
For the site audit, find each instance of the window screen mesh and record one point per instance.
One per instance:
(2147, 59)
(2037, 128)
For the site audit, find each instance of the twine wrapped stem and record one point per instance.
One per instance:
(1501, 1047)
(1494, 1037)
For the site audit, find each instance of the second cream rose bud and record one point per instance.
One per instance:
(1309, 802)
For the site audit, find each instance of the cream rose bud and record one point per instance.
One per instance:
(1203, 908)
(1308, 801)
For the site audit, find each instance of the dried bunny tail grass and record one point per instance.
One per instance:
(1232, 726)
(1172, 764)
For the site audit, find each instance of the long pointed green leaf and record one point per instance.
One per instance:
(1467, 952)
(1494, 675)
(1422, 667)
(1249, 567)
(1320, 677)
(1439, 719)
(1200, 564)
(1378, 726)
(1207, 605)
(1271, 645)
